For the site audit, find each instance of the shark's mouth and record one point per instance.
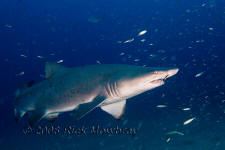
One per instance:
(160, 81)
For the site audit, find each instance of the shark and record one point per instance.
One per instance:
(82, 89)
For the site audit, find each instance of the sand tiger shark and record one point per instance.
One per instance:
(82, 89)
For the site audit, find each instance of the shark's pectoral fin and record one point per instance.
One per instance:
(35, 116)
(85, 108)
(52, 117)
(115, 109)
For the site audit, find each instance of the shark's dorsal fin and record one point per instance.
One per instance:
(115, 109)
(51, 68)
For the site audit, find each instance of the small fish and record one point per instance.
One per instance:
(98, 62)
(161, 106)
(152, 55)
(175, 132)
(199, 74)
(121, 54)
(142, 32)
(211, 29)
(168, 139)
(20, 74)
(40, 57)
(136, 60)
(60, 61)
(185, 109)
(22, 55)
(189, 121)
(128, 41)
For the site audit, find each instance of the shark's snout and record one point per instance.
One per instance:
(172, 72)
(161, 76)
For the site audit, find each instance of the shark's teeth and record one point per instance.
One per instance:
(159, 81)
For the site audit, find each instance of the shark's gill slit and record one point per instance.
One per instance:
(116, 90)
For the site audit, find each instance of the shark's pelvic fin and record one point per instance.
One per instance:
(85, 108)
(35, 116)
(52, 117)
(51, 68)
(18, 114)
(115, 109)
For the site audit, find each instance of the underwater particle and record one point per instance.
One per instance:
(101, 143)
(22, 55)
(98, 62)
(119, 42)
(8, 26)
(161, 106)
(95, 19)
(189, 121)
(128, 41)
(125, 122)
(129, 56)
(175, 132)
(188, 10)
(41, 57)
(140, 147)
(140, 124)
(2, 100)
(52, 54)
(151, 44)
(142, 33)
(199, 74)
(161, 51)
(168, 139)
(164, 58)
(136, 60)
(143, 40)
(42, 76)
(20, 74)
(186, 109)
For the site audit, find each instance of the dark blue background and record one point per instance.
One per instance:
(62, 27)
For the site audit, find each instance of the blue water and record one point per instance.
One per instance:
(188, 34)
